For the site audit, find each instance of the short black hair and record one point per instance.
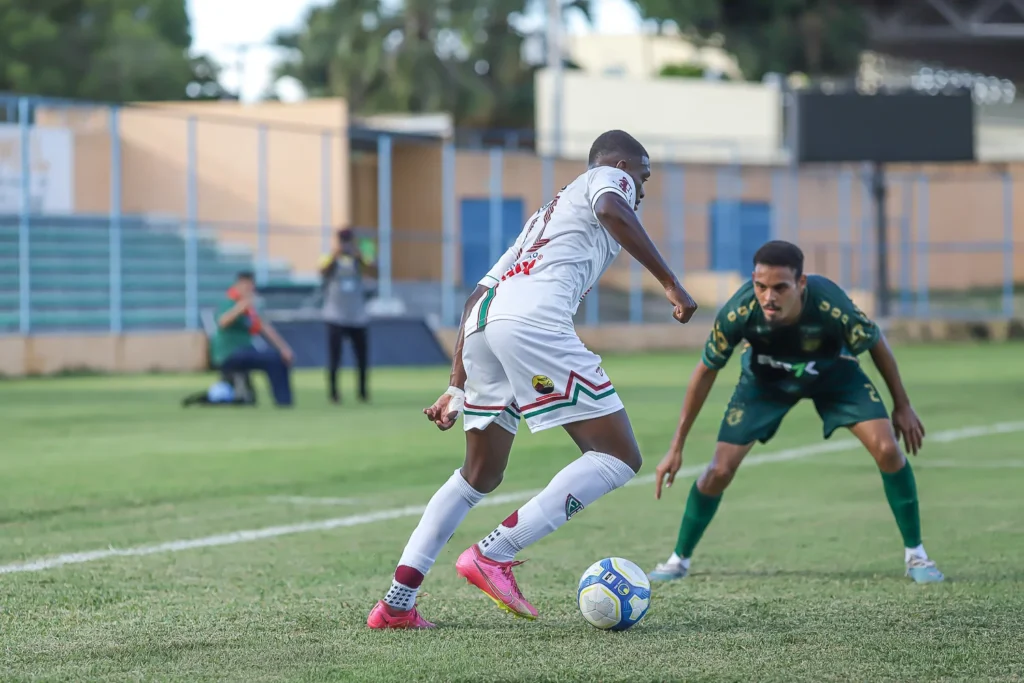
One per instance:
(615, 143)
(246, 275)
(780, 253)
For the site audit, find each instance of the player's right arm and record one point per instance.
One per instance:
(445, 411)
(701, 381)
(726, 334)
(447, 407)
(229, 313)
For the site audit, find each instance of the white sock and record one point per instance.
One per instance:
(914, 552)
(578, 485)
(682, 561)
(445, 511)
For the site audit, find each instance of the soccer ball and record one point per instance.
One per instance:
(614, 594)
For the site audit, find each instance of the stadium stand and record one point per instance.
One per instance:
(70, 273)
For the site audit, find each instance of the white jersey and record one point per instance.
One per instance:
(559, 256)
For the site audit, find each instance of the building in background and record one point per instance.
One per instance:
(645, 55)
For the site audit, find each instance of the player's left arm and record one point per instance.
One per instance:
(861, 334)
(621, 222)
(904, 420)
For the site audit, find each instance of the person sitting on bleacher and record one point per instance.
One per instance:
(232, 349)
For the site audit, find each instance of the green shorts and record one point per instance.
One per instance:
(843, 397)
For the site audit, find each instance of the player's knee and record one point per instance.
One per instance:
(630, 456)
(887, 454)
(717, 477)
(481, 479)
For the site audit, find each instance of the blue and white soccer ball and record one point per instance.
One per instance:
(614, 594)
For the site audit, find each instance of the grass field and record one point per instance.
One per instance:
(799, 578)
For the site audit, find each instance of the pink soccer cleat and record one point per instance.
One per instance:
(384, 616)
(495, 579)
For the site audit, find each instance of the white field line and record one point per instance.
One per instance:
(250, 535)
(969, 464)
(307, 500)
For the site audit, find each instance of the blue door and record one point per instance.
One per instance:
(476, 235)
(738, 229)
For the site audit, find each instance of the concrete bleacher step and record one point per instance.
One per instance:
(64, 300)
(97, 319)
(69, 271)
(100, 249)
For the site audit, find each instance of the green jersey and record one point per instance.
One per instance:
(794, 356)
(227, 340)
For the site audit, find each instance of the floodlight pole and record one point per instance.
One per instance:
(879, 193)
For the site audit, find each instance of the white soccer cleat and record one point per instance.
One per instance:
(669, 571)
(923, 571)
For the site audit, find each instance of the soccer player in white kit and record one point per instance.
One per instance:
(518, 356)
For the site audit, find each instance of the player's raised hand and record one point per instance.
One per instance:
(683, 304)
(665, 472)
(908, 426)
(446, 409)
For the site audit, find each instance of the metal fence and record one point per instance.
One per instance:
(132, 219)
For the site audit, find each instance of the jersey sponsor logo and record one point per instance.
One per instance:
(572, 506)
(521, 268)
(798, 369)
(542, 384)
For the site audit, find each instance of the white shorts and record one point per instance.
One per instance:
(514, 370)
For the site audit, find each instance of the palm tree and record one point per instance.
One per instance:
(459, 56)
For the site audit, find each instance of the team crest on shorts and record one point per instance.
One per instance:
(542, 384)
(734, 416)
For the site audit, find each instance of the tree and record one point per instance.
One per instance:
(460, 56)
(107, 50)
(818, 37)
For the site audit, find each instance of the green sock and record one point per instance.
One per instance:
(901, 491)
(700, 509)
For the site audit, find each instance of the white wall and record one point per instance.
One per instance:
(643, 55)
(678, 119)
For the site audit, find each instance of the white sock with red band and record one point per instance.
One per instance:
(581, 483)
(443, 515)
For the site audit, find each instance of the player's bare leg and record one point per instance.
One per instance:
(487, 453)
(610, 458)
(701, 505)
(901, 492)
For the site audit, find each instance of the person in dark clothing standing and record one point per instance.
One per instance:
(344, 309)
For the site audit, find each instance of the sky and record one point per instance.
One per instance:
(238, 33)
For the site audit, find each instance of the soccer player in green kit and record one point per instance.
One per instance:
(803, 337)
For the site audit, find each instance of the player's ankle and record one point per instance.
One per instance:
(677, 559)
(917, 551)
